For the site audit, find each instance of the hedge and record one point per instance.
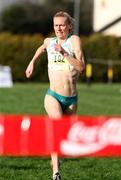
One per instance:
(103, 48)
(17, 50)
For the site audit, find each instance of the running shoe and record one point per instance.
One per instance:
(57, 176)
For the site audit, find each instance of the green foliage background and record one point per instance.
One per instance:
(17, 50)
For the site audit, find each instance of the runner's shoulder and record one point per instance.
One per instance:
(75, 37)
(47, 41)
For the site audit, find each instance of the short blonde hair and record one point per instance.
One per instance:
(69, 19)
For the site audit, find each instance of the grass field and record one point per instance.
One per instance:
(97, 99)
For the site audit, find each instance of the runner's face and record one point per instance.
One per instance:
(61, 27)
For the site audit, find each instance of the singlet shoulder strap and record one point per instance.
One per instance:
(70, 42)
(52, 41)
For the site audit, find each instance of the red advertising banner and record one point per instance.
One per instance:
(75, 136)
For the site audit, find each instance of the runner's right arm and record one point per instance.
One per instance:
(38, 52)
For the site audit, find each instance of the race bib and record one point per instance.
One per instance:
(58, 62)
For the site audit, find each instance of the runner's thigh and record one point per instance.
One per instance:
(52, 107)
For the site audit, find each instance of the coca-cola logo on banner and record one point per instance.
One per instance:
(83, 139)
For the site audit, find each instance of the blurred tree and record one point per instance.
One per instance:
(86, 17)
(26, 19)
(13, 18)
(62, 5)
(34, 18)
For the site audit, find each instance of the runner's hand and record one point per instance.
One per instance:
(29, 70)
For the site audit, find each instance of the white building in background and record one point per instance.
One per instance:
(107, 17)
(5, 3)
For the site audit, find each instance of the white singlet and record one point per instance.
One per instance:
(56, 61)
